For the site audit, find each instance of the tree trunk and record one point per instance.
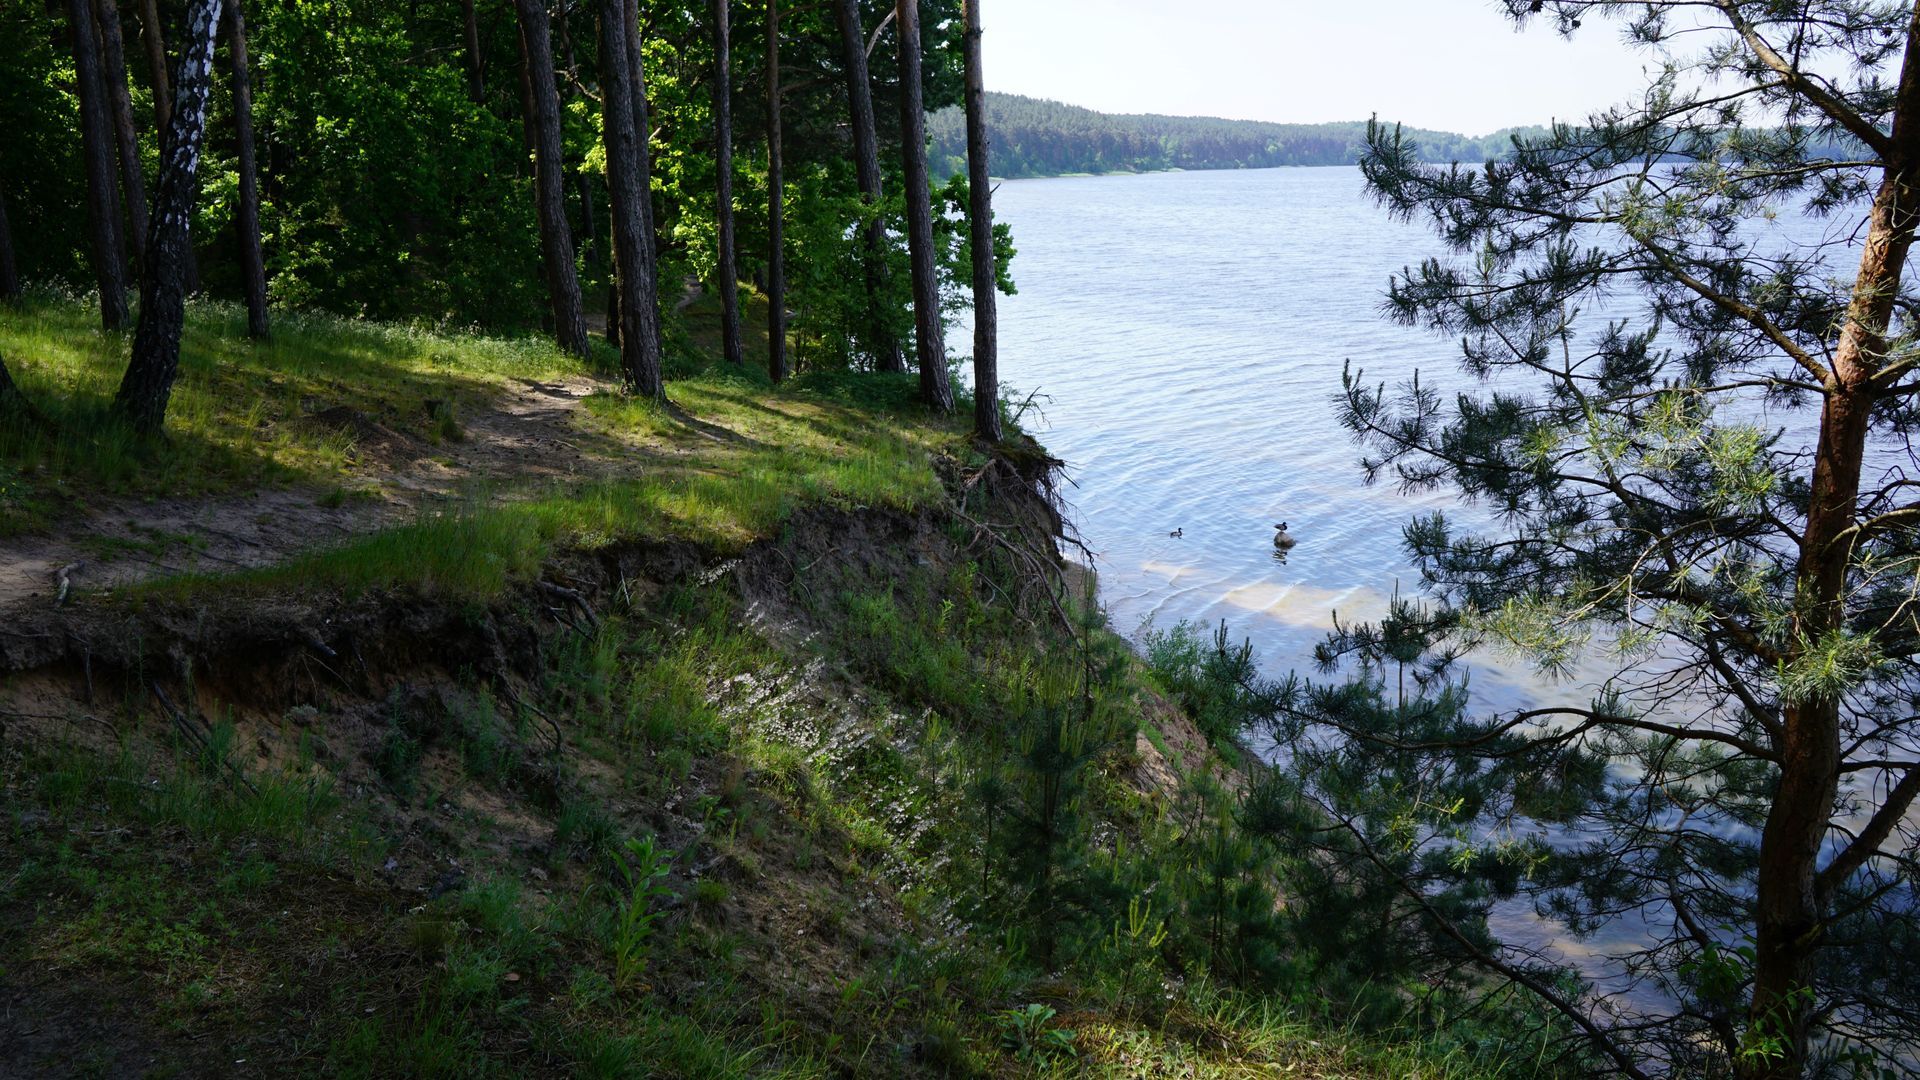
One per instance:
(986, 317)
(96, 142)
(253, 263)
(1789, 908)
(880, 338)
(556, 239)
(133, 188)
(628, 196)
(476, 71)
(929, 334)
(157, 65)
(156, 341)
(726, 272)
(9, 269)
(643, 153)
(163, 108)
(13, 404)
(776, 208)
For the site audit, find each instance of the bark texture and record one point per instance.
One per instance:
(476, 69)
(928, 332)
(986, 316)
(253, 263)
(628, 196)
(881, 341)
(776, 208)
(96, 146)
(133, 187)
(9, 269)
(157, 65)
(1792, 902)
(156, 341)
(727, 273)
(550, 195)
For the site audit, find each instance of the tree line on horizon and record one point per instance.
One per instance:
(1034, 137)
(380, 160)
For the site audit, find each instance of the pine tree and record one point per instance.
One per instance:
(929, 329)
(543, 120)
(113, 71)
(986, 274)
(881, 340)
(1701, 491)
(624, 134)
(776, 208)
(253, 263)
(726, 272)
(97, 151)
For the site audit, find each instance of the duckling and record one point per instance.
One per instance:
(1281, 538)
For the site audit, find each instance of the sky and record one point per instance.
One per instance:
(1453, 65)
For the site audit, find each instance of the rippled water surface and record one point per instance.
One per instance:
(1188, 332)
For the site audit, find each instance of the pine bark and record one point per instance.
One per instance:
(155, 363)
(727, 273)
(1792, 901)
(881, 341)
(157, 65)
(550, 194)
(628, 195)
(133, 188)
(9, 268)
(253, 263)
(986, 316)
(96, 144)
(776, 208)
(929, 334)
(476, 70)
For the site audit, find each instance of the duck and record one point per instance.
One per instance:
(1281, 538)
(1178, 533)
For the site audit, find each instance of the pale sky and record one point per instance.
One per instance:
(1455, 65)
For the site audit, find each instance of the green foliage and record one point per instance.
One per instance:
(1032, 137)
(643, 868)
(1028, 1033)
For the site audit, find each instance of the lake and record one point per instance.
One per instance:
(1186, 332)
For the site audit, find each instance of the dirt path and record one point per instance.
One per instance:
(526, 440)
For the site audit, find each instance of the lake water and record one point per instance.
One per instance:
(1187, 332)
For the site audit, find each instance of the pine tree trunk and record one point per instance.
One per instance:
(157, 65)
(1791, 902)
(726, 272)
(881, 341)
(96, 143)
(156, 341)
(556, 238)
(986, 315)
(776, 208)
(628, 196)
(929, 334)
(649, 313)
(9, 269)
(133, 188)
(476, 71)
(253, 263)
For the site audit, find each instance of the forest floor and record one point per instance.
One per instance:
(423, 706)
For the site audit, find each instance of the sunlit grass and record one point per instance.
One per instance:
(235, 419)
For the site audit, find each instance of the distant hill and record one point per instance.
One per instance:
(1032, 137)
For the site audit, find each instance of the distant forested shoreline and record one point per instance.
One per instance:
(1032, 137)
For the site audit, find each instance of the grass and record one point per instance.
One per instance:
(236, 419)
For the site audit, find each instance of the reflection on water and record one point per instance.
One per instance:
(1187, 333)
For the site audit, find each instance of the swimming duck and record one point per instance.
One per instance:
(1178, 533)
(1281, 538)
